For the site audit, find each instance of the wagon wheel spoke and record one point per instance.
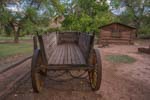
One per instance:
(39, 81)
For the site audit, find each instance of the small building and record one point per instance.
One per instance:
(117, 33)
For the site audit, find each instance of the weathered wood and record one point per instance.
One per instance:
(47, 44)
(61, 61)
(69, 67)
(79, 55)
(54, 55)
(58, 56)
(117, 33)
(73, 60)
(144, 50)
(62, 51)
(67, 52)
(85, 43)
(110, 41)
(65, 37)
(35, 43)
(77, 60)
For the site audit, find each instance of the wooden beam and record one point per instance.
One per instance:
(69, 67)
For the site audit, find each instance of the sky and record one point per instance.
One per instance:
(15, 7)
(19, 8)
(118, 11)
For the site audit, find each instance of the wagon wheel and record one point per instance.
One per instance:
(36, 72)
(95, 75)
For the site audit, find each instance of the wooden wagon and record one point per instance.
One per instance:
(65, 51)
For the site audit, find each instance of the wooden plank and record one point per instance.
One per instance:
(82, 59)
(65, 54)
(45, 47)
(73, 61)
(76, 55)
(68, 37)
(70, 68)
(56, 55)
(85, 44)
(51, 49)
(51, 59)
(88, 46)
(49, 41)
(69, 54)
(59, 54)
(62, 55)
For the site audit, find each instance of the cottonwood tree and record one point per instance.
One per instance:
(29, 16)
(86, 15)
(137, 13)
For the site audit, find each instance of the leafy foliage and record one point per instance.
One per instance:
(33, 16)
(87, 15)
(136, 13)
(80, 15)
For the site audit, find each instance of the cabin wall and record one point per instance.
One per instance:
(117, 34)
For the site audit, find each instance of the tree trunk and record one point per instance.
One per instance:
(16, 35)
(16, 31)
(137, 27)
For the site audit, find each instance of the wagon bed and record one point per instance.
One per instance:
(65, 51)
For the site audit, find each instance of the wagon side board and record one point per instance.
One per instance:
(86, 42)
(58, 49)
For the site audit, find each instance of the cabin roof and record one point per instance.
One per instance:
(118, 24)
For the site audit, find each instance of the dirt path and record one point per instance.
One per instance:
(11, 77)
(126, 81)
(119, 81)
(7, 62)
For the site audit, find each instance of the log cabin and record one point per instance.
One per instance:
(117, 33)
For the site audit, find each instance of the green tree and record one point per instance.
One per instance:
(87, 15)
(33, 18)
(136, 14)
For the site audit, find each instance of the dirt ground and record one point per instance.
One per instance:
(126, 81)
(119, 81)
(7, 62)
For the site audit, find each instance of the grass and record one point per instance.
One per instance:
(12, 38)
(120, 59)
(11, 49)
